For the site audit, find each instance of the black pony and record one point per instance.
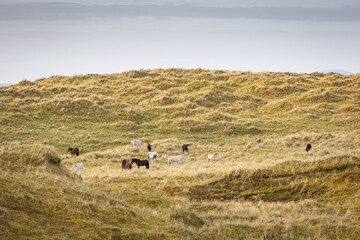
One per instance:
(149, 147)
(308, 147)
(74, 151)
(185, 148)
(140, 162)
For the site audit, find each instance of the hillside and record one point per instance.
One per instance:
(39, 197)
(246, 193)
(102, 109)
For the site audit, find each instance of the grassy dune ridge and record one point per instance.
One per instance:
(267, 190)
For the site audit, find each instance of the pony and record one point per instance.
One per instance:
(137, 143)
(123, 163)
(140, 162)
(78, 166)
(128, 165)
(185, 148)
(149, 147)
(74, 151)
(153, 156)
(211, 157)
(176, 159)
(308, 147)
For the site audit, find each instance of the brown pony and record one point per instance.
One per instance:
(123, 163)
(128, 165)
(74, 151)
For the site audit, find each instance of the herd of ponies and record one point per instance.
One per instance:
(127, 165)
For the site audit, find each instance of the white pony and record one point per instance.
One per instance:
(211, 157)
(176, 159)
(153, 156)
(78, 166)
(137, 143)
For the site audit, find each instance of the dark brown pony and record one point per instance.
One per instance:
(128, 166)
(74, 151)
(123, 163)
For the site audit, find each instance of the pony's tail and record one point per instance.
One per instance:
(77, 152)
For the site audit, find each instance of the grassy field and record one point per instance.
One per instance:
(271, 189)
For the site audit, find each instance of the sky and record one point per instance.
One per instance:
(42, 38)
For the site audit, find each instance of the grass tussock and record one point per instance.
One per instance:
(278, 105)
(321, 95)
(276, 91)
(335, 179)
(16, 155)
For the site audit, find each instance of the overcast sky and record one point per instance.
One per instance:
(78, 37)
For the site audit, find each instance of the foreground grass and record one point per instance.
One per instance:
(44, 199)
(267, 190)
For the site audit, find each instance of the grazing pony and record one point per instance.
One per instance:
(123, 163)
(258, 141)
(176, 159)
(78, 166)
(211, 157)
(185, 148)
(137, 143)
(140, 162)
(153, 156)
(149, 147)
(128, 166)
(308, 147)
(74, 151)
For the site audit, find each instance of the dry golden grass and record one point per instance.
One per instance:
(219, 112)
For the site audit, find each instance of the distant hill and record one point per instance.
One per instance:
(343, 72)
(169, 102)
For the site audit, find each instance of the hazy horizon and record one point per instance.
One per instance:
(209, 3)
(69, 37)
